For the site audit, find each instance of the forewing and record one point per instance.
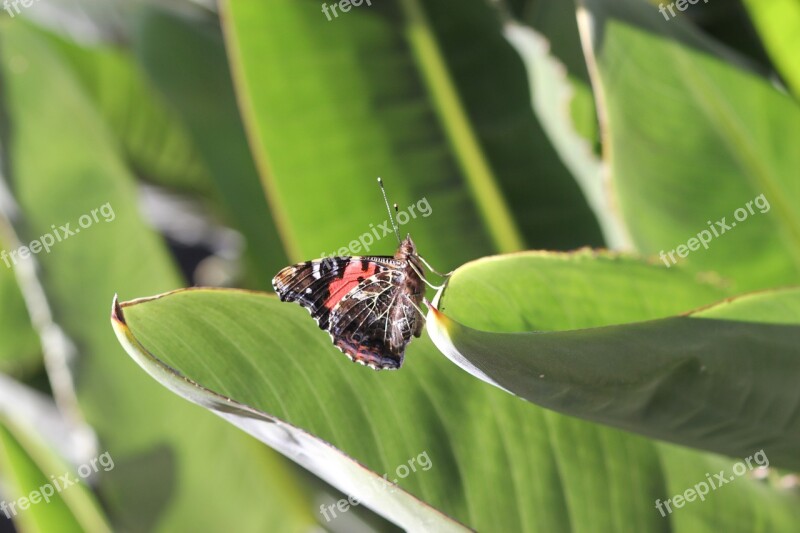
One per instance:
(320, 285)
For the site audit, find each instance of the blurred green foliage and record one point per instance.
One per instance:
(230, 139)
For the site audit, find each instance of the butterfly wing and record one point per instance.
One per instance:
(320, 285)
(374, 322)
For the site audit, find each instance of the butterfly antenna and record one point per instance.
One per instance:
(389, 209)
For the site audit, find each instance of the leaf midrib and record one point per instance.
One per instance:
(479, 177)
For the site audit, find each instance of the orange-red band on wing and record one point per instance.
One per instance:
(353, 275)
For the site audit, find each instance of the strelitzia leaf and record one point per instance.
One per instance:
(308, 450)
(551, 93)
(723, 378)
(265, 366)
(20, 352)
(31, 470)
(690, 132)
(778, 25)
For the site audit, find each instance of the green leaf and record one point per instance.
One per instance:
(330, 464)
(167, 453)
(29, 469)
(175, 114)
(692, 136)
(741, 504)
(186, 60)
(545, 35)
(154, 140)
(267, 368)
(540, 189)
(551, 94)
(20, 352)
(778, 25)
(281, 367)
(678, 378)
(389, 90)
(356, 108)
(455, 123)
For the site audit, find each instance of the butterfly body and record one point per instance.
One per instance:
(368, 305)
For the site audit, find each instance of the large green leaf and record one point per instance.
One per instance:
(677, 378)
(331, 105)
(545, 35)
(551, 93)
(178, 124)
(184, 377)
(31, 470)
(397, 91)
(535, 177)
(276, 361)
(692, 137)
(556, 22)
(266, 367)
(778, 24)
(186, 60)
(20, 352)
(154, 140)
(167, 453)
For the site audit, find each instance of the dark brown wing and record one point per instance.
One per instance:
(374, 322)
(320, 285)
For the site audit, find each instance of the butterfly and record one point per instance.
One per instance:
(370, 306)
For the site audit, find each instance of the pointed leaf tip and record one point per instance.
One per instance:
(116, 311)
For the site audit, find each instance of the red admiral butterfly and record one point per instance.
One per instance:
(370, 306)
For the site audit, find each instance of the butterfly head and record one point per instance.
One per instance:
(406, 249)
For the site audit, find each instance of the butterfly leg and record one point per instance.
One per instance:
(419, 310)
(433, 269)
(422, 277)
